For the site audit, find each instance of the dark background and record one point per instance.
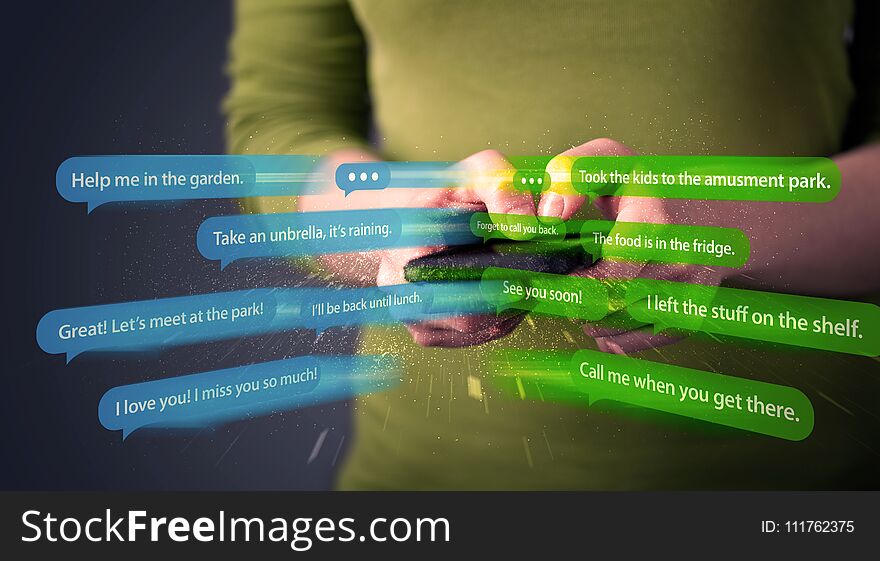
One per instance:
(128, 78)
(131, 77)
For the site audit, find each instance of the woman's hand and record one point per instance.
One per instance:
(564, 203)
(487, 188)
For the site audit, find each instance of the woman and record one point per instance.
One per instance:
(474, 81)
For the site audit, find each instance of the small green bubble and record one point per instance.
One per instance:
(518, 227)
(545, 293)
(531, 180)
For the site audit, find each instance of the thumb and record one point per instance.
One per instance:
(561, 199)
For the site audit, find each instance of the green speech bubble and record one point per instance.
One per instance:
(531, 180)
(591, 376)
(727, 178)
(817, 323)
(665, 243)
(518, 227)
(532, 169)
(543, 293)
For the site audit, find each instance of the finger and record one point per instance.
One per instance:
(613, 324)
(629, 209)
(615, 269)
(693, 274)
(561, 200)
(634, 341)
(428, 336)
(600, 332)
(639, 209)
(469, 323)
(490, 181)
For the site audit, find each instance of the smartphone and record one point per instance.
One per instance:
(467, 263)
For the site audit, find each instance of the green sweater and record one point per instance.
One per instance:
(448, 78)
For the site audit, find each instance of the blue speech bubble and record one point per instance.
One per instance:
(199, 400)
(96, 180)
(373, 176)
(381, 305)
(154, 323)
(151, 324)
(298, 234)
(451, 299)
(363, 176)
